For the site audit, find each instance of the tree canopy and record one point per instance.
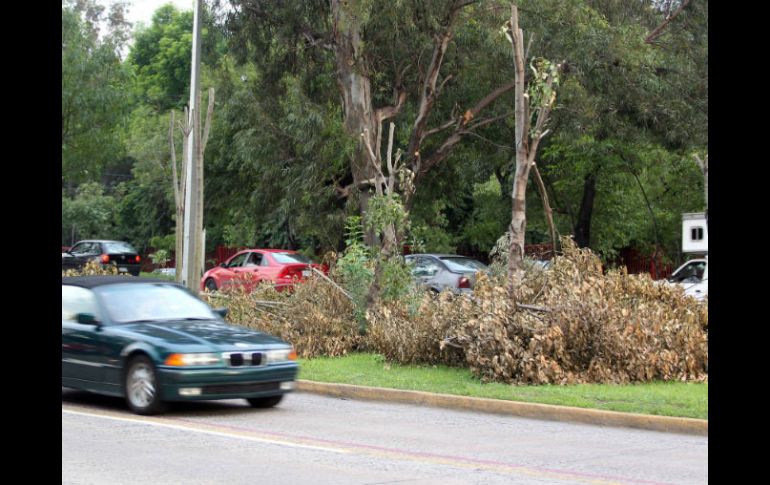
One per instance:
(298, 83)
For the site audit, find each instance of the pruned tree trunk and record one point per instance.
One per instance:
(179, 187)
(546, 208)
(526, 144)
(200, 247)
(385, 185)
(518, 224)
(186, 126)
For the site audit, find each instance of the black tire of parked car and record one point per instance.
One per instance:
(211, 285)
(264, 402)
(142, 388)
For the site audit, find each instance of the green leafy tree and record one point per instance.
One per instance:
(385, 63)
(90, 214)
(161, 58)
(94, 90)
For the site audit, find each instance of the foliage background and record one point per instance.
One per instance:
(628, 119)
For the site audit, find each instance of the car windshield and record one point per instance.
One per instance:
(119, 247)
(457, 263)
(288, 258)
(136, 302)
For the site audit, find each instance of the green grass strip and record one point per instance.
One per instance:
(679, 399)
(158, 276)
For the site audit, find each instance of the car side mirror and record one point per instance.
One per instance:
(222, 312)
(86, 319)
(223, 265)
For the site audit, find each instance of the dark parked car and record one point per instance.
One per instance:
(117, 253)
(445, 271)
(151, 342)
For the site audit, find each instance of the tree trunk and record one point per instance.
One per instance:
(518, 225)
(521, 175)
(179, 189)
(546, 209)
(355, 88)
(583, 227)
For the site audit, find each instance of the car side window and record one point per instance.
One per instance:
(425, 267)
(414, 265)
(431, 266)
(75, 299)
(91, 248)
(237, 261)
(692, 270)
(254, 259)
(79, 249)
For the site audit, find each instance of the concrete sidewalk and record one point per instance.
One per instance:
(512, 408)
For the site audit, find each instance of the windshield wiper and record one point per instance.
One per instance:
(166, 320)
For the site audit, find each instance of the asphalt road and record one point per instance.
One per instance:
(323, 440)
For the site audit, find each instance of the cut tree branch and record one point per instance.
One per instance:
(659, 29)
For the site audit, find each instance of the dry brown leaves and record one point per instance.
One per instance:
(612, 328)
(315, 317)
(92, 268)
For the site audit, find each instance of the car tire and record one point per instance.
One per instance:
(264, 402)
(210, 285)
(142, 388)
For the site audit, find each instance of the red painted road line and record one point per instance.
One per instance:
(436, 456)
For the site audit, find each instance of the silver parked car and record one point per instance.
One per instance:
(444, 271)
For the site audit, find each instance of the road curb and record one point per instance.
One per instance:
(523, 409)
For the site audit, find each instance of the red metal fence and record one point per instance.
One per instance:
(635, 261)
(539, 251)
(213, 258)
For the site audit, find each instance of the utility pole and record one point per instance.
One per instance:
(191, 270)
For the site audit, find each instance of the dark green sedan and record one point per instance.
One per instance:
(152, 342)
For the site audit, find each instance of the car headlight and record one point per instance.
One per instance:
(183, 360)
(279, 355)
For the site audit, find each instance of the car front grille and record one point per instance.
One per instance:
(244, 359)
(242, 388)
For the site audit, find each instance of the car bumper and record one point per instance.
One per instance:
(132, 269)
(226, 383)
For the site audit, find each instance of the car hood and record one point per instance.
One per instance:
(208, 332)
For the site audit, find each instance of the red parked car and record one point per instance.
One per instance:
(248, 268)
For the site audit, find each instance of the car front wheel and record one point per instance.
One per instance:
(211, 285)
(142, 387)
(264, 402)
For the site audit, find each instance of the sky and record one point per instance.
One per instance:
(142, 10)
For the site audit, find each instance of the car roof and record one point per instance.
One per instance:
(99, 240)
(94, 281)
(440, 255)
